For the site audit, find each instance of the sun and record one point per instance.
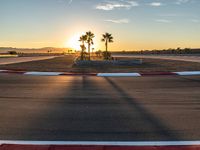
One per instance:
(73, 42)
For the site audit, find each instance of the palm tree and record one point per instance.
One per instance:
(83, 39)
(107, 38)
(90, 37)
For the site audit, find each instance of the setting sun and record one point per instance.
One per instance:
(73, 42)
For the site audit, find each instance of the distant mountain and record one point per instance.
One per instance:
(34, 50)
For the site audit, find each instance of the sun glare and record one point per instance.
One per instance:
(73, 42)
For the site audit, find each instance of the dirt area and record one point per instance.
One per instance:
(65, 64)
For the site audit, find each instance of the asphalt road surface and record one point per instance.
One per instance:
(13, 60)
(190, 58)
(99, 109)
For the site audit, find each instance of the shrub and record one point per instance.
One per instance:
(12, 52)
(107, 55)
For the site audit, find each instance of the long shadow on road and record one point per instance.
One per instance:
(98, 109)
(91, 108)
(159, 130)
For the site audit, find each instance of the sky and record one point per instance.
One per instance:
(134, 24)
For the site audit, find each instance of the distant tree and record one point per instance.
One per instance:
(92, 51)
(187, 50)
(49, 51)
(178, 50)
(106, 55)
(107, 38)
(83, 39)
(98, 53)
(89, 41)
(12, 52)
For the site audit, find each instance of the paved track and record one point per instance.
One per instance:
(5, 61)
(191, 58)
(95, 108)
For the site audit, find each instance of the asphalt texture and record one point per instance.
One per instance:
(83, 108)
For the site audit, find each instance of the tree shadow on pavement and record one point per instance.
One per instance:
(158, 127)
(97, 109)
(92, 109)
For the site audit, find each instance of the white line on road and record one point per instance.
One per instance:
(119, 143)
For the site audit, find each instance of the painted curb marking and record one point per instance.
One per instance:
(13, 71)
(3, 70)
(35, 73)
(105, 143)
(62, 145)
(43, 73)
(157, 73)
(118, 75)
(188, 73)
(78, 74)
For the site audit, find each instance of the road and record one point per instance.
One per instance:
(95, 108)
(191, 58)
(13, 60)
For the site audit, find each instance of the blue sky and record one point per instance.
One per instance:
(135, 24)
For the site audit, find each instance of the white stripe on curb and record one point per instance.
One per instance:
(188, 73)
(118, 75)
(139, 143)
(3, 70)
(43, 73)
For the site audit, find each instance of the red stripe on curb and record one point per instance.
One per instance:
(13, 71)
(154, 148)
(71, 147)
(78, 74)
(157, 73)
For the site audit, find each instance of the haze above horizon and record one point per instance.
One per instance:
(134, 24)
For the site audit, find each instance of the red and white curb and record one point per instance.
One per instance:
(43, 73)
(35, 73)
(118, 74)
(91, 145)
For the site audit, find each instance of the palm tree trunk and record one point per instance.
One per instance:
(82, 54)
(89, 50)
(82, 51)
(106, 50)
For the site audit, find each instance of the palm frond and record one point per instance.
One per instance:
(110, 40)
